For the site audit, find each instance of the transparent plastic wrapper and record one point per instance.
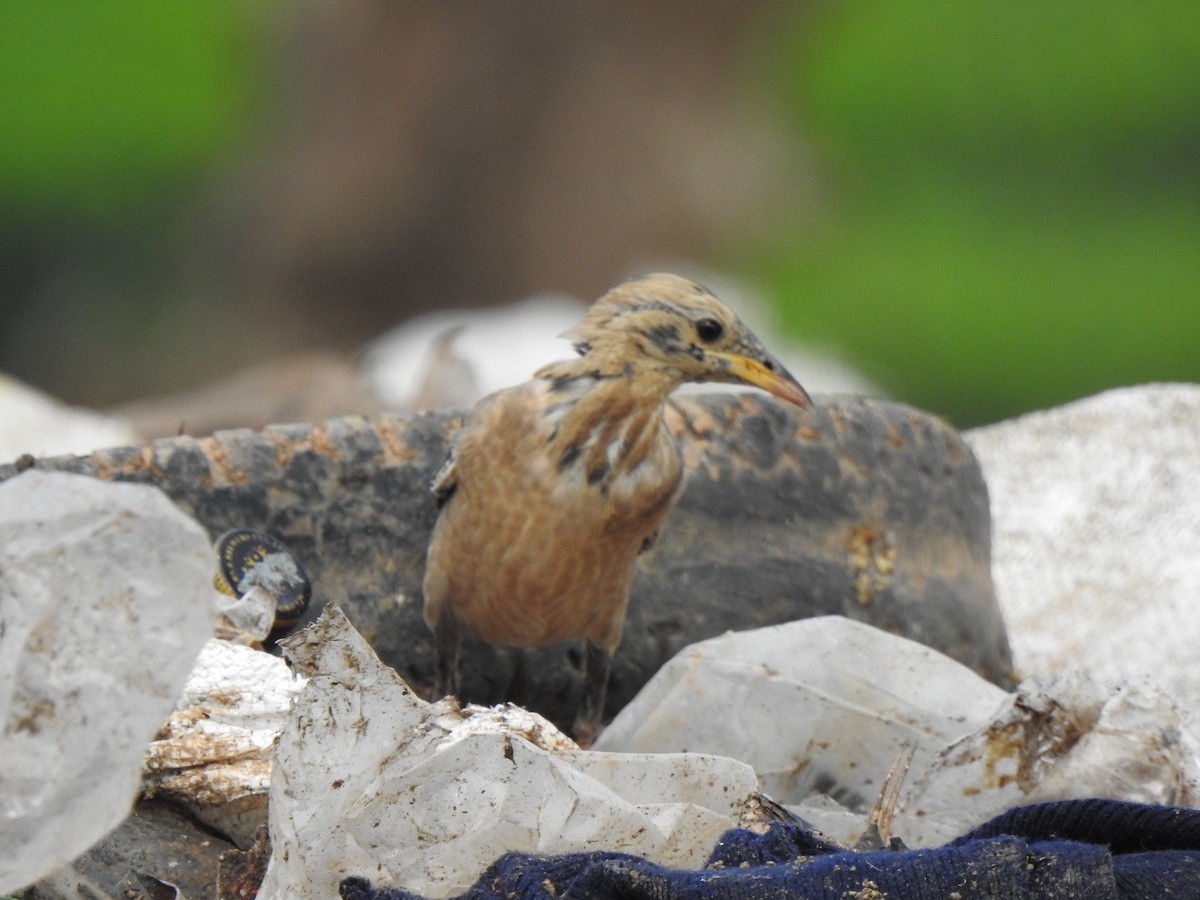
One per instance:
(822, 708)
(105, 600)
(822, 705)
(370, 780)
(1061, 738)
(247, 618)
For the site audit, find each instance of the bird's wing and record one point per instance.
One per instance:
(445, 482)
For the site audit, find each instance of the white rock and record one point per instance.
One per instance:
(1096, 535)
(105, 600)
(368, 781)
(35, 423)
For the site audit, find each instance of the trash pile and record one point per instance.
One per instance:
(818, 739)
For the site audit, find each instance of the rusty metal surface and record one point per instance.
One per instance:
(867, 509)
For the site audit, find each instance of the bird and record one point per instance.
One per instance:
(553, 488)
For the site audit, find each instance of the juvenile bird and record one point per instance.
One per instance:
(554, 487)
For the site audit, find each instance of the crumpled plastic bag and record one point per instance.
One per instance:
(370, 780)
(105, 600)
(820, 705)
(823, 707)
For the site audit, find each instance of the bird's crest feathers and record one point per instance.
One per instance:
(672, 330)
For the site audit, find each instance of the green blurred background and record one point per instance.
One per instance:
(1017, 220)
(987, 208)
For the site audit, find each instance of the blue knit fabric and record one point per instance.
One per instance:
(1095, 849)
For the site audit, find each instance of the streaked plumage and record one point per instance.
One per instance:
(555, 486)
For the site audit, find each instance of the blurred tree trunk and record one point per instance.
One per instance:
(458, 154)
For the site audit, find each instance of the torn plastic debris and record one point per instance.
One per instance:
(853, 695)
(213, 755)
(1064, 738)
(370, 781)
(262, 585)
(1096, 525)
(105, 600)
(246, 619)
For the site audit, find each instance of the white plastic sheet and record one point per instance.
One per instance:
(105, 600)
(1096, 535)
(821, 705)
(821, 709)
(369, 781)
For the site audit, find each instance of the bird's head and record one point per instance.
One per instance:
(674, 327)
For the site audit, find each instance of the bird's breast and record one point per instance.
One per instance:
(535, 547)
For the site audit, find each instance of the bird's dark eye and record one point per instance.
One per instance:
(709, 330)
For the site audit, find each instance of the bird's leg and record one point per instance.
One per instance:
(517, 677)
(596, 665)
(448, 678)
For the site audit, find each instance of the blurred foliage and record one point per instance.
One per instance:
(1014, 218)
(108, 104)
(114, 114)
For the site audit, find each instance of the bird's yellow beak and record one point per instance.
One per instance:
(769, 375)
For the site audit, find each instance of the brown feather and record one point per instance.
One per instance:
(528, 555)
